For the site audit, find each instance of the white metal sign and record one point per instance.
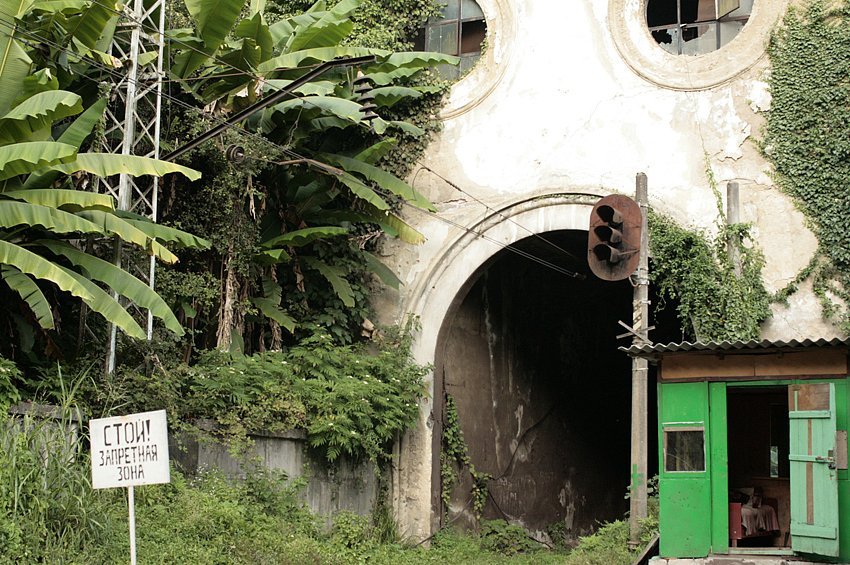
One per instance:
(129, 450)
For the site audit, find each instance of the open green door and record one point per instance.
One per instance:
(814, 480)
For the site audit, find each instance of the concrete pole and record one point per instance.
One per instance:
(733, 216)
(640, 323)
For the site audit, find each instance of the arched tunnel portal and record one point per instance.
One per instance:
(527, 357)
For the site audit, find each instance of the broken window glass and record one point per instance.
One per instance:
(684, 449)
(696, 27)
(460, 31)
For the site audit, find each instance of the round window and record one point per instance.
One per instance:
(696, 27)
(692, 44)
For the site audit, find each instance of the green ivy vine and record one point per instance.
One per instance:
(454, 457)
(694, 269)
(807, 142)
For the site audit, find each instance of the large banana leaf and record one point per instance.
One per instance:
(28, 262)
(62, 198)
(405, 231)
(327, 31)
(412, 59)
(317, 55)
(313, 88)
(385, 180)
(339, 107)
(379, 268)
(272, 257)
(335, 276)
(75, 134)
(29, 293)
(213, 21)
(256, 28)
(119, 281)
(36, 113)
(55, 6)
(299, 238)
(362, 191)
(89, 26)
(164, 233)
(100, 301)
(389, 95)
(108, 164)
(393, 225)
(376, 151)
(14, 61)
(24, 158)
(272, 310)
(124, 230)
(388, 77)
(84, 124)
(40, 81)
(14, 213)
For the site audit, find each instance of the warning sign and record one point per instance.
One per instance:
(129, 450)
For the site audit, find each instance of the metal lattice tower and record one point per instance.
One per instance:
(133, 120)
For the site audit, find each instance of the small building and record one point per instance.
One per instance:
(753, 448)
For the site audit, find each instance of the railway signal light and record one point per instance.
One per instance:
(613, 242)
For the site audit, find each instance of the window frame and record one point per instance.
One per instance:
(690, 427)
(469, 58)
(679, 25)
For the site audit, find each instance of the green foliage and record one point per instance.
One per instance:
(327, 181)
(353, 400)
(508, 539)
(693, 269)
(806, 138)
(46, 214)
(454, 458)
(49, 513)
(47, 504)
(10, 375)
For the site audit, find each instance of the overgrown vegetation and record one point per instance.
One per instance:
(806, 138)
(49, 513)
(716, 299)
(352, 400)
(693, 270)
(454, 459)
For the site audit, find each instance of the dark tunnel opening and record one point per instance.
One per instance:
(543, 396)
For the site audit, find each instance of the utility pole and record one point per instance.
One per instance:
(640, 325)
(733, 216)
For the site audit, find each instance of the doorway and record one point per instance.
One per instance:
(759, 478)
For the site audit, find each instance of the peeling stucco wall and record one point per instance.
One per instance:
(570, 101)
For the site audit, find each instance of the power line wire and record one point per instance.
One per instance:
(511, 248)
(503, 216)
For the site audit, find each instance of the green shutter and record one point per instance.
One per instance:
(814, 480)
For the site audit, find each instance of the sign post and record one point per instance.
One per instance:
(127, 451)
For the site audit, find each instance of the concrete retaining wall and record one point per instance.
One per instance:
(346, 487)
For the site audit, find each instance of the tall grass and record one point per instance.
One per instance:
(47, 504)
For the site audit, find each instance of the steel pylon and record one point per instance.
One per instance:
(133, 123)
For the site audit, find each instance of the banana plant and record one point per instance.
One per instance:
(42, 215)
(335, 182)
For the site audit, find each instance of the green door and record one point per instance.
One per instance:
(814, 480)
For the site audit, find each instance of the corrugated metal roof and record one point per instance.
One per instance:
(655, 350)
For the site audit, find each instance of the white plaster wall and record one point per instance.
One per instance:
(560, 104)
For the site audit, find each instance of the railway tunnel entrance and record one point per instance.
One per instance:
(528, 370)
